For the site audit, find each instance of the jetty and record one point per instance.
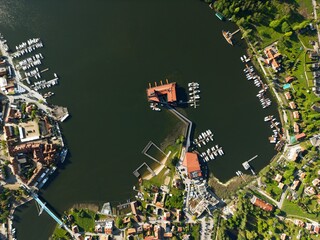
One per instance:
(228, 36)
(247, 166)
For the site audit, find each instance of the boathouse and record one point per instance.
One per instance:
(163, 93)
(191, 162)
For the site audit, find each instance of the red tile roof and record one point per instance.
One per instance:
(192, 164)
(169, 90)
(261, 204)
(300, 136)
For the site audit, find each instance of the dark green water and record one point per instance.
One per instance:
(106, 52)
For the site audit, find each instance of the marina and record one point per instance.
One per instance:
(141, 67)
(194, 91)
(252, 76)
(210, 153)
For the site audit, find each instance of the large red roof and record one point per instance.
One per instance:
(192, 164)
(167, 89)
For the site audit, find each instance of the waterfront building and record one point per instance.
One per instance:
(191, 162)
(272, 58)
(163, 93)
(261, 204)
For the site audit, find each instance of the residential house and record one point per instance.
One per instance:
(261, 204)
(296, 115)
(295, 184)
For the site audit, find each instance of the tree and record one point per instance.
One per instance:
(274, 24)
(285, 27)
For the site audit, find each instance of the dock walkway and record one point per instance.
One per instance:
(189, 125)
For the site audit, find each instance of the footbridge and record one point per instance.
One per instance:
(43, 206)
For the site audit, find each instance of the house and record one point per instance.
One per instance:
(261, 204)
(296, 115)
(168, 235)
(313, 55)
(108, 229)
(131, 231)
(289, 79)
(309, 191)
(314, 66)
(166, 216)
(315, 182)
(296, 128)
(292, 105)
(191, 162)
(302, 175)
(300, 136)
(278, 178)
(75, 229)
(298, 223)
(316, 229)
(283, 236)
(280, 185)
(295, 184)
(287, 95)
(309, 226)
(315, 140)
(272, 58)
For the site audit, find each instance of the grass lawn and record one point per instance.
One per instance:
(84, 219)
(269, 36)
(293, 209)
(305, 8)
(59, 233)
(195, 234)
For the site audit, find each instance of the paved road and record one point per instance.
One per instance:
(314, 3)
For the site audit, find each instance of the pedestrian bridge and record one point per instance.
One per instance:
(43, 206)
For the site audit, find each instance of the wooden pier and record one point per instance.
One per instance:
(247, 166)
(228, 36)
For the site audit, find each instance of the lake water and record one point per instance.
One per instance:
(106, 53)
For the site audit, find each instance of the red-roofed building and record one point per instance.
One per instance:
(261, 204)
(272, 57)
(316, 229)
(289, 79)
(192, 164)
(292, 105)
(287, 95)
(166, 93)
(296, 115)
(300, 136)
